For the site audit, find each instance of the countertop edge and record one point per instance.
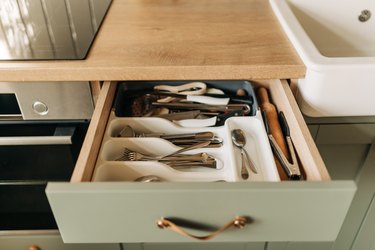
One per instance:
(204, 72)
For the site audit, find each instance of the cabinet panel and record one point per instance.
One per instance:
(365, 238)
(347, 152)
(344, 147)
(343, 161)
(346, 134)
(299, 245)
(205, 246)
(195, 246)
(360, 204)
(313, 130)
(48, 242)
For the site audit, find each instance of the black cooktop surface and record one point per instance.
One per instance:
(49, 29)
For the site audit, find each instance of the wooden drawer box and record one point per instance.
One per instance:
(311, 210)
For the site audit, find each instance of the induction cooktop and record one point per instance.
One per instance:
(49, 29)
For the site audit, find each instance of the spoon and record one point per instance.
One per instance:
(239, 140)
(154, 178)
(127, 131)
(148, 178)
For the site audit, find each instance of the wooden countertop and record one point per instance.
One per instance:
(177, 39)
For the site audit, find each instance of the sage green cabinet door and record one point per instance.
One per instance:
(313, 130)
(132, 246)
(299, 246)
(204, 246)
(360, 204)
(349, 154)
(195, 246)
(343, 161)
(48, 242)
(365, 239)
(344, 148)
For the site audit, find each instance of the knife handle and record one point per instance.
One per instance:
(274, 127)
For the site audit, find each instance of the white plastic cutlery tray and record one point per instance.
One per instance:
(228, 156)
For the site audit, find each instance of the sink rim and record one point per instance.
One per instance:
(306, 49)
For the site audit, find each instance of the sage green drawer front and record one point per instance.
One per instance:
(204, 246)
(127, 212)
(47, 242)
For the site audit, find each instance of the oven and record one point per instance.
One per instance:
(42, 128)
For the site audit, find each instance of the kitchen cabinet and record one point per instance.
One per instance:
(361, 202)
(169, 40)
(47, 242)
(344, 147)
(202, 246)
(347, 147)
(365, 237)
(299, 245)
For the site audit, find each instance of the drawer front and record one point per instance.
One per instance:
(311, 210)
(127, 212)
(46, 242)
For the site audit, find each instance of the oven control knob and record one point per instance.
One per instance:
(40, 108)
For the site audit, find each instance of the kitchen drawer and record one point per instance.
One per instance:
(311, 210)
(47, 242)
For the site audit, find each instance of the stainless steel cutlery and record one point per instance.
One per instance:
(247, 164)
(175, 160)
(182, 140)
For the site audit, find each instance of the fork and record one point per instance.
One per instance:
(188, 164)
(129, 155)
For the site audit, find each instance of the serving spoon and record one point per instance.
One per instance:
(239, 140)
(154, 178)
(148, 178)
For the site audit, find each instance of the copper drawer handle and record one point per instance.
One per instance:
(33, 247)
(239, 222)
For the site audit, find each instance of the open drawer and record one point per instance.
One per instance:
(311, 210)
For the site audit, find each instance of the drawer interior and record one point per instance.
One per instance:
(308, 155)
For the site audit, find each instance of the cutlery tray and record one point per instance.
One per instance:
(127, 91)
(228, 156)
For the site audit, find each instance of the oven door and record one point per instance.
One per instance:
(31, 154)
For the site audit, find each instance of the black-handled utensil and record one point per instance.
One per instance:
(284, 124)
(291, 168)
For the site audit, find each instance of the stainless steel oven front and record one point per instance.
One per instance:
(42, 128)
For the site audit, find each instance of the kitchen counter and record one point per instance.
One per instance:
(177, 39)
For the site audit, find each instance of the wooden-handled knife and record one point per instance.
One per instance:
(274, 127)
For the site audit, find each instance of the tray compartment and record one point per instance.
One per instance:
(127, 91)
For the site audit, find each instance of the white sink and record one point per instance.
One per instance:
(338, 51)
